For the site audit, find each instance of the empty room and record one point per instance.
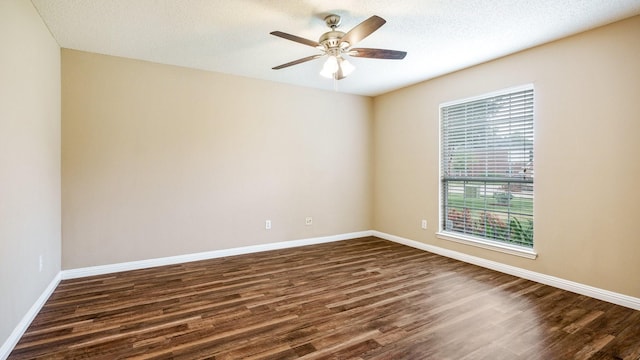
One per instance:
(190, 179)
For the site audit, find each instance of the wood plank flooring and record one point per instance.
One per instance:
(358, 299)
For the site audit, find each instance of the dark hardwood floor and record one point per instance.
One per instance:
(357, 299)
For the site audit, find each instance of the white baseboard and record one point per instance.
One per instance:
(141, 264)
(26, 320)
(597, 293)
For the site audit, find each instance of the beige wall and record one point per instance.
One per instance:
(587, 203)
(160, 160)
(29, 160)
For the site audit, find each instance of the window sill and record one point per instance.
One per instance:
(488, 244)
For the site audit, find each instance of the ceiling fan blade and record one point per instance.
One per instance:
(297, 39)
(378, 53)
(296, 62)
(363, 30)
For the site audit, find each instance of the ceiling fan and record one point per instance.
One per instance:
(335, 44)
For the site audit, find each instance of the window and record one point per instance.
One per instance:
(487, 169)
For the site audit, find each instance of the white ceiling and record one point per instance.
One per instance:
(232, 36)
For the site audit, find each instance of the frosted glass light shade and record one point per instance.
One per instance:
(346, 67)
(330, 67)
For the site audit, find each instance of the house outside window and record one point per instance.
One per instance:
(487, 168)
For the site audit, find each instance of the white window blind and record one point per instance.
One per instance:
(487, 167)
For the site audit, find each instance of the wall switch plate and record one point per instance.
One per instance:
(308, 221)
(267, 225)
(40, 263)
(424, 224)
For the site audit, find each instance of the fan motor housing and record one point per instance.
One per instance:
(331, 39)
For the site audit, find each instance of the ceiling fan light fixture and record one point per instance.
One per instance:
(336, 65)
(330, 67)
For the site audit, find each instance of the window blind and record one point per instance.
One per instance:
(487, 167)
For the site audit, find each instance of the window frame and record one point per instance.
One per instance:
(478, 241)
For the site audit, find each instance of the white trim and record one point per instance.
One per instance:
(508, 90)
(488, 244)
(597, 293)
(171, 260)
(470, 240)
(26, 320)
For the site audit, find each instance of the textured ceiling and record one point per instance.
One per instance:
(232, 36)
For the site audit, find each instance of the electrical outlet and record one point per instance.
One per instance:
(308, 221)
(424, 224)
(40, 263)
(267, 225)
